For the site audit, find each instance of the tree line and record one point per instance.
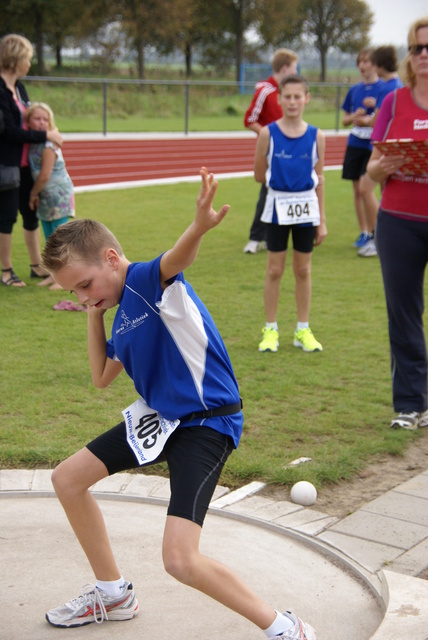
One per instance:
(223, 34)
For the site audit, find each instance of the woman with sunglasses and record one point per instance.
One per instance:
(402, 232)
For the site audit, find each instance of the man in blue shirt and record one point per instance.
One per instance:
(359, 108)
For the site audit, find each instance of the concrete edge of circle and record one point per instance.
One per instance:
(402, 598)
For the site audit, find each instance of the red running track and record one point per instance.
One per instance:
(93, 162)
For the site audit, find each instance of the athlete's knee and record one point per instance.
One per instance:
(67, 481)
(180, 564)
(274, 272)
(302, 271)
(60, 479)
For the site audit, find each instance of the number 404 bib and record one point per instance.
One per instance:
(298, 208)
(146, 431)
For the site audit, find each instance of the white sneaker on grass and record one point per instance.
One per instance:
(94, 605)
(406, 420)
(300, 630)
(368, 250)
(423, 419)
(252, 246)
(410, 420)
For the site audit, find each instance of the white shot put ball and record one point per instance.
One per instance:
(303, 493)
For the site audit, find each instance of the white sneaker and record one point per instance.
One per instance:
(94, 605)
(407, 420)
(252, 246)
(369, 250)
(423, 419)
(300, 630)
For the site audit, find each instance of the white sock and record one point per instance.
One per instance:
(272, 325)
(302, 325)
(112, 588)
(281, 624)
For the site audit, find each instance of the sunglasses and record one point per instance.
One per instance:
(416, 49)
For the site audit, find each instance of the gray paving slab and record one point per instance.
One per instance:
(264, 508)
(401, 506)
(370, 555)
(16, 480)
(300, 520)
(417, 486)
(412, 562)
(382, 529)
(41, 480)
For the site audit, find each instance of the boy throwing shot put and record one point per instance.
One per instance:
(189, 413)
(289, 159)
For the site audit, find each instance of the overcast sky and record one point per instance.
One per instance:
(392, 19)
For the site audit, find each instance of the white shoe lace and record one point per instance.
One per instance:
(90, 596)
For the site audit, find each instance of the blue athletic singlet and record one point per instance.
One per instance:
(171, 348)
(360, 136)
(291, 163)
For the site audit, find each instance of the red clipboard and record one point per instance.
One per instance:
(415, 152)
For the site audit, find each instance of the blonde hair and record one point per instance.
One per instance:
(283, 57)
(406, 67)
(13, 48)
(78, 241)
(40, 105)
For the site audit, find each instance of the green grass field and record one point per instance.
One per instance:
(333, 407)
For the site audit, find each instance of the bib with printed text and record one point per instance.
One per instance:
(146, 431)
(298, 208)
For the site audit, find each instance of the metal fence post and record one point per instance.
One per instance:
(104, 107)
(186, 108)
(338, 105)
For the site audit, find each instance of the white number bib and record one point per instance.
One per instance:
(146, 431)
(298, 208)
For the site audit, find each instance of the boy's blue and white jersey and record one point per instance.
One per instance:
(291, 168)
(360, 136)
(171, 348)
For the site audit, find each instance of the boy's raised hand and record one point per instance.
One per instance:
(206, 217)
(185, 250)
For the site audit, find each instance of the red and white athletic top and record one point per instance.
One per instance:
(264, 107)
(401, 117)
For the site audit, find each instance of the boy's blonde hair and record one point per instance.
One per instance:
(13, 48)
(283, 57)
(406, 66)
(45, 107)
(78, 241)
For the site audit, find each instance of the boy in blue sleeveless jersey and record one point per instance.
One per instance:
(359, 111)
(189, 413)
(290, 161)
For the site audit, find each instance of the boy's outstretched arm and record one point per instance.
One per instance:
(186, 248)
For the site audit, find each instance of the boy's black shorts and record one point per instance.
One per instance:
(195, 458)
(303, 237)
(355, 163)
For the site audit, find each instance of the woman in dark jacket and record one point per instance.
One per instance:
(16, 53)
